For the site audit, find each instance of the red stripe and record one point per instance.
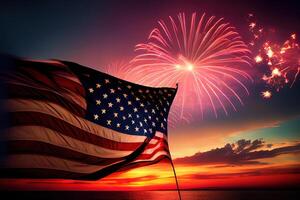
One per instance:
(44, 74)
(70, 85)
(143, 163)
(23, 92)
(43, 148)
(42, 78)
(149, 156)
(41, 119)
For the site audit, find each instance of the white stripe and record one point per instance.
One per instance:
(42, 134)
(153, 141)
(67, 76)
(69, 95)
(19, 105)
(48, 162)
(155, 156)
(161, 135)
(157, 146)
(151, 150)
(55, 62)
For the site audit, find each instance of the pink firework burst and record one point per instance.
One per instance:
(204, 55)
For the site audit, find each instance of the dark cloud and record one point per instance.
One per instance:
(241, 152)
(292, 169)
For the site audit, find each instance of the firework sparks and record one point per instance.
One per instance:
(117, 69)
(266, 94)
(283, 60)
(206, 56)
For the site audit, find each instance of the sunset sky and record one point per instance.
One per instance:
(256, 147)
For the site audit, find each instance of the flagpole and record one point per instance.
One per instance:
(171, 161)
(177, 185)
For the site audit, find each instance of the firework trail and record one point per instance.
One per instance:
(204, 55)
(118, 68)
(283, 60)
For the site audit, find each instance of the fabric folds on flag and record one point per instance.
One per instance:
(64, 120)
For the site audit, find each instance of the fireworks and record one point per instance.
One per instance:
(266, 94)
(282, 60)
(204, 55)
(118, 69)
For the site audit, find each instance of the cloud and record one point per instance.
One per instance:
(241, 152)
(291, 169)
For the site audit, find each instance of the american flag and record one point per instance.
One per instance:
(64, 120)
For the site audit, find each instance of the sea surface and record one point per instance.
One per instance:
(158, 195)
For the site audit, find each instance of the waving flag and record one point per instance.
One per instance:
(64, 120)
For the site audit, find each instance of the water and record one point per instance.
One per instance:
(160, 195)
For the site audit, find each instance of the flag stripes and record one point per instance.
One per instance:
(48, 135)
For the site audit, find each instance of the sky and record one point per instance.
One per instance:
(256, 147)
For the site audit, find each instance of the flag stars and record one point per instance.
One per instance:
(126, 127)
(115, 114)
(108, 122)
(129, 86)
(124, 118)
(105, 96)
(98, 85)
(98, 102)
(145, 131)
(103, 111)
(110, 105)
(135, 109)
(91, 90)
(112, 91)
(129, 103)
(118, 125)
(96, 117)
(129, 115)
(136, 129)
(118, 100)
(125, 96)
(142, 105)
(132, 122)
(107, 81)
(121, 108)
(141, 124)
